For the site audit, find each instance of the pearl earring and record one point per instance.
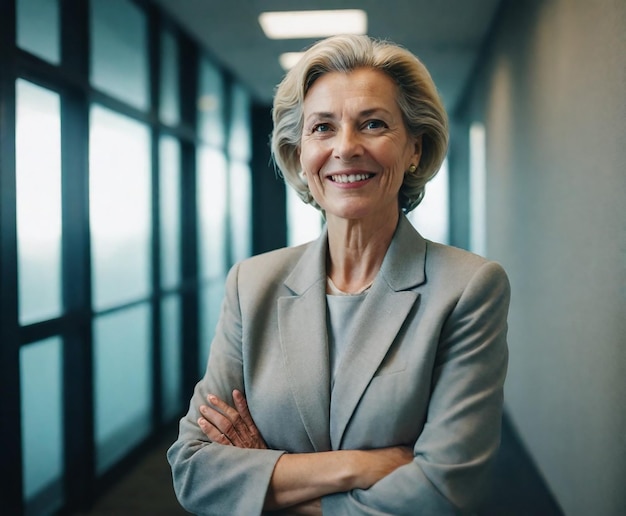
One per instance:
(412, 168)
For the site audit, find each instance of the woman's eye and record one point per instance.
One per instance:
(375, 124)
(321, 128)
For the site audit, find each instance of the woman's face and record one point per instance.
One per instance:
(355, 147)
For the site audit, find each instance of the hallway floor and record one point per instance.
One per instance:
(147, 488)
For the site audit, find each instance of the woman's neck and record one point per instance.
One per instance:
(356, 251)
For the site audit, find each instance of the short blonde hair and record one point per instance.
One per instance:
(418, 99)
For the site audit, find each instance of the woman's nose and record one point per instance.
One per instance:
(348, 145)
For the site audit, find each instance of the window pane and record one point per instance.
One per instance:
(304, 222)
(42, 425)
(430, 218)
(119, 57)
(210, 305)
(478, 189)
(210, 105)
(212, 196)
(38, 28)
(171, 357)
(239, 145)
(123, 376)
(169, 109)
(240, 210)
(119, 208)
(170, 211)
(38, 183)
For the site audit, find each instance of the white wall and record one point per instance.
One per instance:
(552, 94)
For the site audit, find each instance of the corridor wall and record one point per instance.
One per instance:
(550, 91)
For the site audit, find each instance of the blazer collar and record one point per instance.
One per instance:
(311, 268)
(304, 338)
(405, 261)
(402, 268)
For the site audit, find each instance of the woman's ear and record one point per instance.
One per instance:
(418, 150)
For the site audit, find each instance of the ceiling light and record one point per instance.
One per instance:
(289, 59)
(313, 24)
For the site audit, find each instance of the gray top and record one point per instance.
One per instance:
(342, 315)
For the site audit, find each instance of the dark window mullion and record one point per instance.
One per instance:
(154, 49)
(188, 91)
(78, 339)
(10, 432)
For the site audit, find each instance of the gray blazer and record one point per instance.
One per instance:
(425, 368)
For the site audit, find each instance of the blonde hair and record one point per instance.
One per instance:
(417, 97)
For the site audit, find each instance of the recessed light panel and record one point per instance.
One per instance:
(313, 24)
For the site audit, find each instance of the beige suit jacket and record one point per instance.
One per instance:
(425, 368)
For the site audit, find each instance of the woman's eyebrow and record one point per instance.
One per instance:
(320, 114)
(361, 114)
(373, 111)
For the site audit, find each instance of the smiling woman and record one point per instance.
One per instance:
(361, 373)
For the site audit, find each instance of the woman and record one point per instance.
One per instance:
(361, 373)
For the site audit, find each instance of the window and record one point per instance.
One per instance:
(119, 55)
(118, 227)
(478, 184)
(431, 217)
(122, 374)
(210, 105)
(42, 425)
(38, 178)
(169, 109)
(304, 222)
(170, 204)
(119, 208)
(38, 28)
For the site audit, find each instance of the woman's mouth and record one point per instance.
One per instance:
(350, 178)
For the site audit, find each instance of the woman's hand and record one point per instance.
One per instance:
(230, 426)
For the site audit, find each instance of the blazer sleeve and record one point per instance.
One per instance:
(210, 478)
(461, 436)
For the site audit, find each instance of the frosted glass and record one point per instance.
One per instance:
(240, 141)
(304, 223)
(119, 208)
(38, 28)
(478, 189)
(169, 179)
(119, 55)
(171, 363)
(38, 185)
(211, 105)
(431, 217)
(42, 424)
(211, 299)
(169, 110)
(212, 192)
(123, 379)
(240, 210)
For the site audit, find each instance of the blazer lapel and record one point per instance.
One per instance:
(385, 309)
(304, 342)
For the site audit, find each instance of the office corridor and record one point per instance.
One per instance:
(146, 489)
(135, 171)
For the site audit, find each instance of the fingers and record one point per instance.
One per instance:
(236, 424)
(242, 409)
(227, 425)
(254, 436)
(211, 431)
(225, 420)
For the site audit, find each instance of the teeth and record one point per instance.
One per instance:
(352, 178)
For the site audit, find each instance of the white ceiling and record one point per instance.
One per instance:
(445, 34)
